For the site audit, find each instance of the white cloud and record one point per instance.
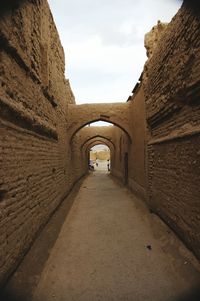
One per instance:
(103, 42)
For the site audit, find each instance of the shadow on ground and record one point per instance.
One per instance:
(22, 282)
(191, 296)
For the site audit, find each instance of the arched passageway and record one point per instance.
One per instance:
(98, 138)
(82, 115)
(156, 138)
(113, 135)
(87, 145)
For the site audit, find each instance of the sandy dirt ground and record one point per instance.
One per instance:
(111, 248)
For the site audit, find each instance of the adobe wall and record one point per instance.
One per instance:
(137, 162)
(136, 149)
(100, 155)
(35, 165)
(43, 152)
(172, 92)
(121, 147)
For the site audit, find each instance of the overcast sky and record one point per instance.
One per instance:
(103, 42)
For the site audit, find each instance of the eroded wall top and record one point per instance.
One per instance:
(171, 81)
(32, 65)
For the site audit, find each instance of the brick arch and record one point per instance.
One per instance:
(96, 142)
(90, 144)
(81, 115)
(100, 138)
(87, 133)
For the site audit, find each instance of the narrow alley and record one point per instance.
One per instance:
(111, 248)
(99, 192)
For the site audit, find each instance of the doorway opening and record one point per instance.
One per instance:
(100, 158)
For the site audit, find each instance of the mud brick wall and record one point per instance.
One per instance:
(172, 92)
(35, 167)
(137, 149)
